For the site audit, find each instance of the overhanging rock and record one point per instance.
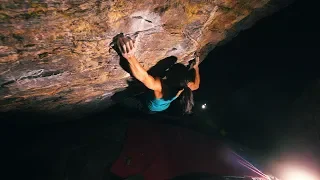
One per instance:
(56, 55)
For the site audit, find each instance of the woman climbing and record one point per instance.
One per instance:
(162, 91)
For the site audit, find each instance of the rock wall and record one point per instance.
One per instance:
(57, 55)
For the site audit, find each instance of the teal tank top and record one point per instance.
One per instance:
(157, 105)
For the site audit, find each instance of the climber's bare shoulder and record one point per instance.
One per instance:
(193, 86)
(157, 87)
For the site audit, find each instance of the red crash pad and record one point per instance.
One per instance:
(160, 152)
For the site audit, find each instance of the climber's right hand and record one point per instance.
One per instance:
(126, 47)
(197, 59)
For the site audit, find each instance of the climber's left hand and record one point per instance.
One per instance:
(126, 47)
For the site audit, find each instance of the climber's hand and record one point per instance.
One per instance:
(197, 59)
(126, 47)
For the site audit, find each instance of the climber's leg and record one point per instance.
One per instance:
(132, 103)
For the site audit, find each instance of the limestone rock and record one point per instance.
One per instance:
(56, 55)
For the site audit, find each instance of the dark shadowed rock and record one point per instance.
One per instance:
(56, 55)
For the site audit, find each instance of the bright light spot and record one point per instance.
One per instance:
(204, 106)
(296, 174)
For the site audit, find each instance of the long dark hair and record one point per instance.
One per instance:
(178, 78)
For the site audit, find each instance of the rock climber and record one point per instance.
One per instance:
(162, 91)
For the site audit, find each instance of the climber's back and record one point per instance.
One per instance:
(159, 104)
(175, 84)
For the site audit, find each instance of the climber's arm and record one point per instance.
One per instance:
(127, 48)
(142, 75)
(195, 85)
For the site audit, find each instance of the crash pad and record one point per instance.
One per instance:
(162, 151)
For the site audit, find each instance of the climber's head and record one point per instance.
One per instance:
(177, 78)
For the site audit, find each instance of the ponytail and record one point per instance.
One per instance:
(177, 78)
(187, 100)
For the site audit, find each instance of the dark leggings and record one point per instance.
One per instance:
(134, 103)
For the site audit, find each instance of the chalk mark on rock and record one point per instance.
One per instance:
(40, 73)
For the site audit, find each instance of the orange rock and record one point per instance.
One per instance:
(70, 41)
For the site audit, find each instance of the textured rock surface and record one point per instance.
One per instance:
(56, 55)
